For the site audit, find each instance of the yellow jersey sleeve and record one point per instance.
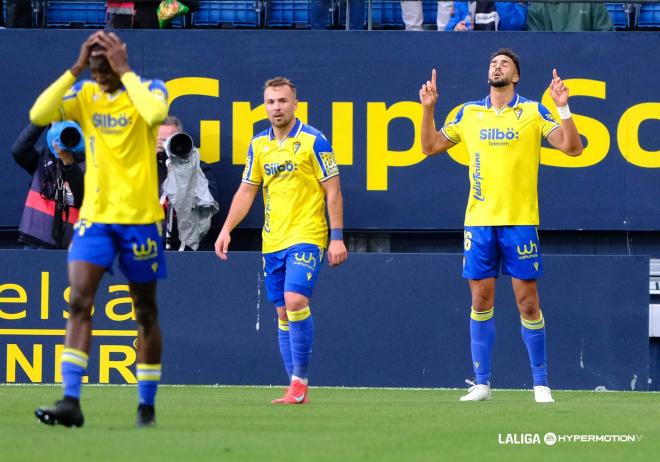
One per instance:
(149, 100)
(453, 129)
(547, 123)
(325, 164)
(252, 172)
(57, 102)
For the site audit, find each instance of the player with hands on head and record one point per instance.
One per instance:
(119, 113)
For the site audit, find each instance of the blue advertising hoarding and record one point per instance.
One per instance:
(382, 320)
(361, 90)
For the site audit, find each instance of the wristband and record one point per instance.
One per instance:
(564, 112)
(336, 234)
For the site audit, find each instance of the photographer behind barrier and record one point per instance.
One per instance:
(187, 188)
(56, 187)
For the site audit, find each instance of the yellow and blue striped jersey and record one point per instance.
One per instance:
(505, 148)
(291, 172)
(121, 177)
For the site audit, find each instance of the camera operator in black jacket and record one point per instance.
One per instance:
(56, 184)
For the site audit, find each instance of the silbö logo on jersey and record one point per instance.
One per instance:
(275, 168)
(497, 137)
(477, 179)
(110, 123)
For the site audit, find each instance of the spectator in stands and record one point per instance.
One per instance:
(412, 13)
(487, 16)
(568, 17)
(203, 189)
(19, 14)
(138, 15)
(56, 184)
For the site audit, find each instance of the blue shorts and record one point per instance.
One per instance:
(140, 248)
(516, 247)
(294, 269)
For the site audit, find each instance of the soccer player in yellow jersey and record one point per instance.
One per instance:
(296, 166)
(503, 134)
(120, 215)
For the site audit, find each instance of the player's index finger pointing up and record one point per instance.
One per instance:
(554, 74)
(433, 78)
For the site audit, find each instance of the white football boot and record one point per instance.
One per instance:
(542, 394)
(476, 392)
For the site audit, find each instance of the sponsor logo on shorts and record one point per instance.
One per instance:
(145, 251)
(525, 251)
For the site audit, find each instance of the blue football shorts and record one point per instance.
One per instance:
(294, 269)
(140, 248)
(516, 248)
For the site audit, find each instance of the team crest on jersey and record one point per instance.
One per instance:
(160, 94)
(518, 112)
(296, 146)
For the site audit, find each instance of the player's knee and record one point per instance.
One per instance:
(146, 314)
(528, 304)
(295, 301)
(80, 304)
(482, 299)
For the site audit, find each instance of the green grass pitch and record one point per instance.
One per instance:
(239, 424)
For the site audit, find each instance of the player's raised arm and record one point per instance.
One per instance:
(240, 206)
(566, 138)
(46, 108)
(152, 105)
(433, 141)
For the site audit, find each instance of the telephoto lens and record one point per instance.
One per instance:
(70, 138)
(179, 145)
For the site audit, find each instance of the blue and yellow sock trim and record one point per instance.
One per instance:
(148, 372)
(300, 315)
(482, 315)
(533, 325)
(73, 356)
(283, 325)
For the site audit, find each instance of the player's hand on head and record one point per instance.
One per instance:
(222, 245)
(115, 52)
(85, 51)
(337, 253)
(558, 91)
(428, 94)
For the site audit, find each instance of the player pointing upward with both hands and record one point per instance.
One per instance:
(503, 134)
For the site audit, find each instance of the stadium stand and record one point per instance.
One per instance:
(288, 13)
(75, 14)
(246, 13)
(620, 14)
(296, 14)
(385, 14)
(648, 16)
